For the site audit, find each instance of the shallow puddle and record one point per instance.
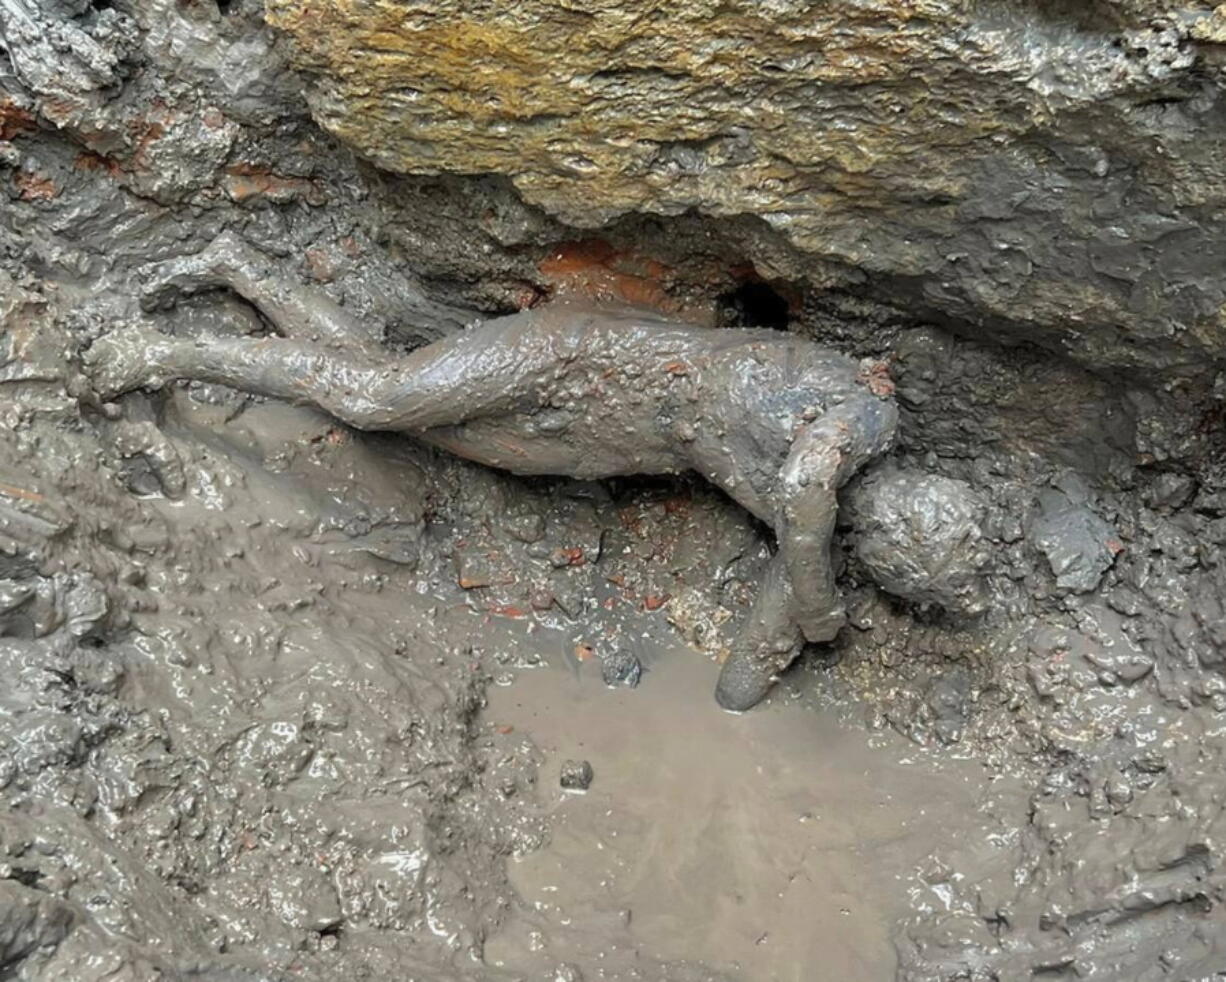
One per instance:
(769, 846)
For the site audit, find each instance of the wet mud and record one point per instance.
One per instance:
(764, 845)
(287, 699)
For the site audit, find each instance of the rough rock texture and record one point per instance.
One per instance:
(1053, 171)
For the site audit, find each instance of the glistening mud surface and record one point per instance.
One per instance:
(271, 724)
(766, 845)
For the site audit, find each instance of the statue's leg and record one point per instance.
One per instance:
(482, 372)
(352, 389)
(767, 643)
(295, 309)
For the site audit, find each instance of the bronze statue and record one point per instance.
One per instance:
(776, 421)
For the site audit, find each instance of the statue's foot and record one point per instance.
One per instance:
(743, 683)
(754, 665)
(216, 265)
(126, 359)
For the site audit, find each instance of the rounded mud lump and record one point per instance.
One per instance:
(919, 537)
(577, 775)
(621, 667)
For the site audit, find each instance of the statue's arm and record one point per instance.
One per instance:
(823, 456)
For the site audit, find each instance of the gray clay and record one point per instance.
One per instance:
(1079, 546)
(776, 421)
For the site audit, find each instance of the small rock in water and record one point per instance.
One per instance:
(577, 775)
(621, 667)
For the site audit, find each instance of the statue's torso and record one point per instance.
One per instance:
(621, 393)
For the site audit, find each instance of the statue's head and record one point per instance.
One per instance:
(918, 536)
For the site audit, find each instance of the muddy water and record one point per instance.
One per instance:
(768, 845)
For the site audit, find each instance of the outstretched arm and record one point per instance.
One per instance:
(296, 310)
(767, 643)
(824, 455)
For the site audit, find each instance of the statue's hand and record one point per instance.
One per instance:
(123, 360)
(164, 282)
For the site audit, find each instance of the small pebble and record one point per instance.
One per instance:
(576, 775)
(621, 667)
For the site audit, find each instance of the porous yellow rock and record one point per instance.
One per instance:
(602, 108)
(1212, 28)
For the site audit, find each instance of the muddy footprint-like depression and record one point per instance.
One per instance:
(533, 491)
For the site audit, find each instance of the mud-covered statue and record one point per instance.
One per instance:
(776, 421)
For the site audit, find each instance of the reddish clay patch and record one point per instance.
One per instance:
(593, 268)
(35, 187)
(14, 120)
(245, 182)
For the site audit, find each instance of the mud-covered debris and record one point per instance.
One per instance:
(621, 667)
(561, 557)
(1127, 667)
(919, 536)
(699, 622)
(154, 465)
(13, 594)
(1080, 547)
(305, 899)
(525, 526)
(83, 601)
(948, 699)
(1170, 491)
(29, 919)
(474, 570)
(576, 775)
